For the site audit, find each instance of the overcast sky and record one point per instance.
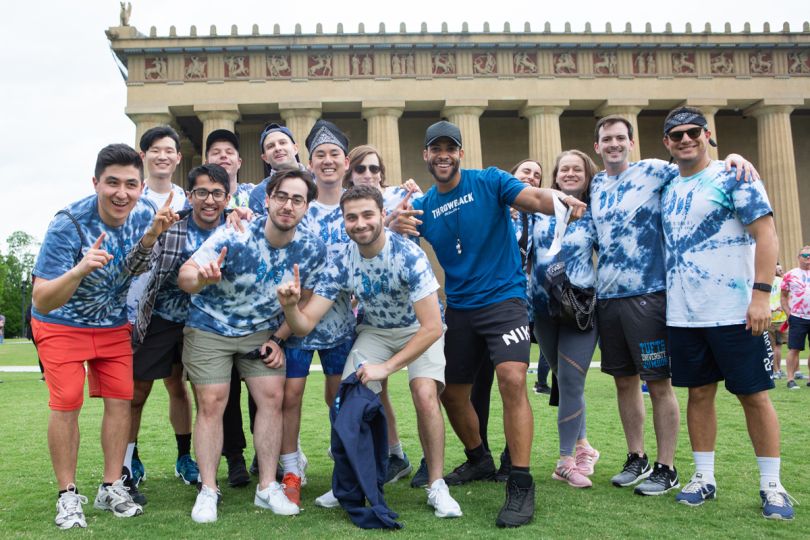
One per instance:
(63, 97)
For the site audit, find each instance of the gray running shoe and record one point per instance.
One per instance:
(115, 498)
(69, 511)
(635, 469)
(420, 479)
(662, 480)
(397, 468)
(468, 471)
(791, 385)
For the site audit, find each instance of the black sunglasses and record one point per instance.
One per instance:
(677, 136)
(360, 169)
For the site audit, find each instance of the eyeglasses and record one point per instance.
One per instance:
(202, 194)
(360, 169)
(281, 198)
(677, 136)
(805, 255)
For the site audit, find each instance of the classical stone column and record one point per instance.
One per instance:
(383, 134)
(465, 114)
(300, 117)
(217, 117)
(147, 120)
(777, 165)
(628, 111)
(544, 133)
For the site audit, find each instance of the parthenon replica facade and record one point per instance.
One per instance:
(515, 93)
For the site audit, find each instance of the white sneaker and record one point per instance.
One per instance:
(327, 500)
(69, 511)
(444, 505)
(116, 499)
(205, 507)
(273, 498)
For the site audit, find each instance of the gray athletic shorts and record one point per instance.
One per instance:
(633, 336)
(376, 345)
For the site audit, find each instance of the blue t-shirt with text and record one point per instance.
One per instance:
(475, 217)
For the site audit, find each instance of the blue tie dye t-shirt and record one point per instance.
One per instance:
(475, 217)
(171, 302)
(626, 211)
(710, 255)
(386, 285)
(337, 326)
(100, 299)
(576, 252)
(245, 301)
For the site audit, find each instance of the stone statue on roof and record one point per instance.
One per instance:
(126, 11)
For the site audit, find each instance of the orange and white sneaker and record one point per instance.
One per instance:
(292, 488)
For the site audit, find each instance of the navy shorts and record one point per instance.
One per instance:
(633, 336)
(798, 329)
(161, 349)
(333, 359)
(501, 330)
(702, 356)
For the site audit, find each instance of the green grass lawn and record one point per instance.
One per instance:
(18, 352)
(28, 492)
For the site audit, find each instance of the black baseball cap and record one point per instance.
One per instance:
(222, 135)
(443, 129)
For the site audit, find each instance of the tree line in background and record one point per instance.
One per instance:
(15, 280)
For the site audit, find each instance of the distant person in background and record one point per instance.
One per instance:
(778, 318)
(2, 327)
(796, 305)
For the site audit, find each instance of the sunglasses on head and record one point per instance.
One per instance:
(360, 169)
(677, 136)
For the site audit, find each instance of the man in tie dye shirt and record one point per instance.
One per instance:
(796, 304)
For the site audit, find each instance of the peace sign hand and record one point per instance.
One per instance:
(164, 218)
(289, 294)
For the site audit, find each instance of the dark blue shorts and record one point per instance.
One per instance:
(332, 360)
(702, 356)
(797, 332)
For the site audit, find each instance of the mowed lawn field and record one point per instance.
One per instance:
(28, 491)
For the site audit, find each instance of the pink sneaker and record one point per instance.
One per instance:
(586, 457)
(567, 471)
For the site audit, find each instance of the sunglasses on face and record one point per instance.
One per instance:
(677, 136)
(373, 169)
(805, 255)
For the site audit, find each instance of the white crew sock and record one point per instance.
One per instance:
(128, 456)
(704, 466)
(769, 473)
(289, 462)
(396, 450)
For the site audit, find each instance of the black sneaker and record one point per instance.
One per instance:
(129, 483)
(518, 508)
(237, 471)
(506, 467)
(421, 478)
(254, 466)
(635, 469)
(662, 480)
(541, 388)
(468, 472)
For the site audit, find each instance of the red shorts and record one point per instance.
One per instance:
(63, 351)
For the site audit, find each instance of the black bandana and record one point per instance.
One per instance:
(325, 132)
(685, 116)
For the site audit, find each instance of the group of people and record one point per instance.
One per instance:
(226, 281)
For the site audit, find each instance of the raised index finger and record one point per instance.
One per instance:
(99, 240)
(296, 276)
(168, 202)
(221, 258)
(404, 203)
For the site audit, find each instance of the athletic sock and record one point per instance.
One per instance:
(135, 452)
(128, 456)
(769, 473)
(476, 454)
(289, 462)
(521, 476)
(704, 466)
(396, 450)
(183, 444)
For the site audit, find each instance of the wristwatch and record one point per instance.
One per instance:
(280, 342)
(764, 287)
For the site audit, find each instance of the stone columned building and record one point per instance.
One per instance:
(514, 92)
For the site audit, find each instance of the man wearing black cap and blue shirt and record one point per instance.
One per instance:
(721, 248)
(465, 217)
(277, 148)
(222, 148)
